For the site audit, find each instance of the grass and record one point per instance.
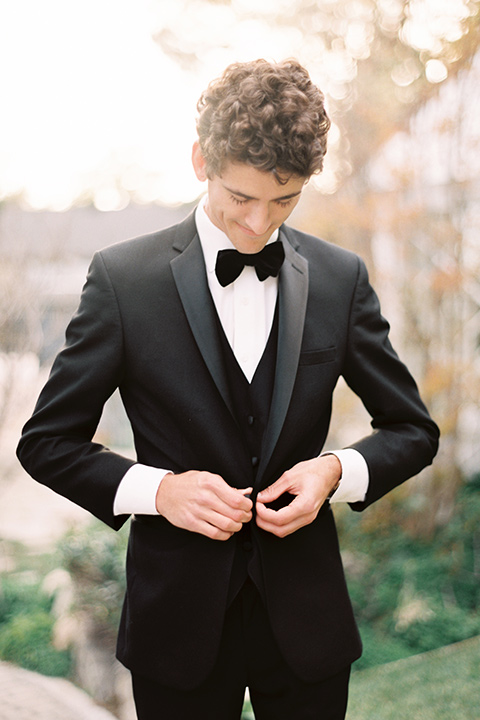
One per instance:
(439, 685)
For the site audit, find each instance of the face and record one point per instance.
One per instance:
(246, 203)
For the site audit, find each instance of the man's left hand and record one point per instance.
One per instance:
(310, 481)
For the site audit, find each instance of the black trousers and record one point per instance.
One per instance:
(248, 657)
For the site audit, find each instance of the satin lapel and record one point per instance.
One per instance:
(293, 295)
(191, 280)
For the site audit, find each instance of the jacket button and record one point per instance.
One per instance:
(254, 461)
(250, 419)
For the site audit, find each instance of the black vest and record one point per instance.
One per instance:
(251, 404)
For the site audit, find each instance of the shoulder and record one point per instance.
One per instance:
(152, 252)
(324, 255)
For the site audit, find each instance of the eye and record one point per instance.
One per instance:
(237, 200)
(284, 203)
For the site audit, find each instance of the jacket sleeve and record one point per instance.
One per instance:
(56, 446)
(404, 439)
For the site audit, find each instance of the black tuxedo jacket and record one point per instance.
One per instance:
(146, 324)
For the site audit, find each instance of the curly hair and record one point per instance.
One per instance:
(268, 115)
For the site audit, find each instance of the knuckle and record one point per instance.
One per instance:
(204, 480)
(203, 495)
(233, 526)
(192, 522)
(219, 534)
(238, 516)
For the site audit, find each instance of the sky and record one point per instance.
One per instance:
(92, 109)
(87, 90)
(89, 95)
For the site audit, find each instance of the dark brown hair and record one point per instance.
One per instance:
(268, 115)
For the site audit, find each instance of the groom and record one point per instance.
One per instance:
(226, 335)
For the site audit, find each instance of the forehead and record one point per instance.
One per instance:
(250, 182)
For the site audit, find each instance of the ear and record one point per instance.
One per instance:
(199, 163)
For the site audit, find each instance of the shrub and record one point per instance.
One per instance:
(26, 629)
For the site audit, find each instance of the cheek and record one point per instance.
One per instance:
(281, 215)
(236, 214)
(286, 212)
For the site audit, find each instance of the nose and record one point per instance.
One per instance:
(258, 219)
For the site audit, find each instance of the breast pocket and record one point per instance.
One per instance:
(317, 357)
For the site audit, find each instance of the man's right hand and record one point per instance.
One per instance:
(203, 503)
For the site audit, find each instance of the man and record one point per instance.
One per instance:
(227, 372)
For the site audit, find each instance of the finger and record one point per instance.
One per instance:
(233, 497)
(223, 522)
(224, 517)
(288, 514)
(280, 531)
(210, 503)
(274, 491)
(213, 532)
(284, 521)
(213, 492)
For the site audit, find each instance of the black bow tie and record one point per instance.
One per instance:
(267, 262)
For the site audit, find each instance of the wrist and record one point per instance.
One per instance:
(336, 473)
(334, 489)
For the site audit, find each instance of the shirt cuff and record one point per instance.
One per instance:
(355, 476)
(138, 490)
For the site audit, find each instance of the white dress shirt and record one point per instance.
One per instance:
(246, 308)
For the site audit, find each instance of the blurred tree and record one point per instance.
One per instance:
(372, 58)
(20, 326)
(95, 561)
(410, 208)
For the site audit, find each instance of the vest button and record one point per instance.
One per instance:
(250, 419)
(247, 545)
(254, 461)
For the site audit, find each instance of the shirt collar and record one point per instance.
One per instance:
(212, 239)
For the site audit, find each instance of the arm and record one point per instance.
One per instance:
(404, 438)
(56, 447)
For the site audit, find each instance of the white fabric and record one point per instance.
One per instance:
(354, 483)
(239, 305)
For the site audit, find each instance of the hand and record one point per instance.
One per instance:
(203, 503)
(310, 482)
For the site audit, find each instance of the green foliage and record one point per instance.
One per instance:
(26, 628)
(95, 558)
(446, 625)
(21, 596)
(412, 594)
(247, 711)
(440, 685)
(380, 647)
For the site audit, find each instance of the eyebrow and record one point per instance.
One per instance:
(250, 197)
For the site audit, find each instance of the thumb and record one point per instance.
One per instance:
(272, 492)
